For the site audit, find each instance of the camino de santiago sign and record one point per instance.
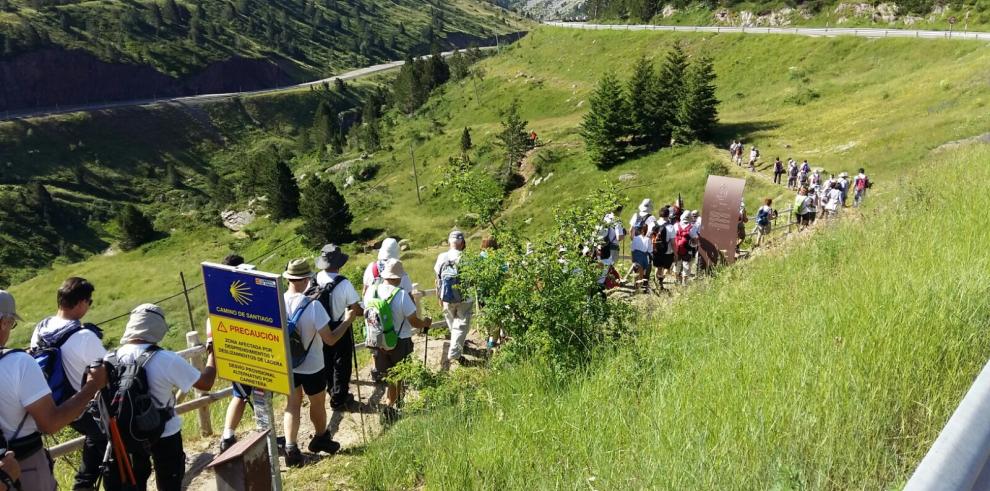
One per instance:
(720, 215)
(247, 317)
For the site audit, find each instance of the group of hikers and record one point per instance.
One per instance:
(122, 400)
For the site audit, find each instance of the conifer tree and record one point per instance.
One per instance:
(283, 192)
(646, 123)
(326, 216)
(513, 136)
(697, 112)
(326, 128)
(606, 123)
(466, 141)
(670, 89)
(135, 227)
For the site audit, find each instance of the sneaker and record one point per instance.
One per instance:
(280, 444)
(227, 443)
(294, 457)
(323, 443)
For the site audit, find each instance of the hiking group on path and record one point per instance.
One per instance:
(123, 400)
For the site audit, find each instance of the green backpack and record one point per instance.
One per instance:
(378, 322)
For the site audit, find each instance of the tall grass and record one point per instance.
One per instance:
(831, 366)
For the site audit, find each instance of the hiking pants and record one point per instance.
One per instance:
(776, 177)
(458, 317)
(93, 450)
(170, 466)
(860, 194)
(36, 472)
(337, 360)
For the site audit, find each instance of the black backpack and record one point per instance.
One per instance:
(324, 294)
(130, 403)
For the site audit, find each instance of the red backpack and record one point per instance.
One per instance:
(683, 239)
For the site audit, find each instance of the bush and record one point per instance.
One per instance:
(716, 168)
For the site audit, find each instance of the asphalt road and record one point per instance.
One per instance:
(801, 31)
(351, 75)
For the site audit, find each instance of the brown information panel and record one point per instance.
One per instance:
(720, 220)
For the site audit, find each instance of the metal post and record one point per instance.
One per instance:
(185, 291)
(412, 156)
(205, 426)
(272, 444)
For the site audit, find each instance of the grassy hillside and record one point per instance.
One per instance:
(310, 38)
(830, 366)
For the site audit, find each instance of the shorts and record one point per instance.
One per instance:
(811, 216)
(764, 229)
(312, 383)
(386, 359)
(741, 231)
(641, 258)
(241, 391)
(664, 261)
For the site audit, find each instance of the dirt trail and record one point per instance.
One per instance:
(345, 425)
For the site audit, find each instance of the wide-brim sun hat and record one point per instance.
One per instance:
(646, 206)
(298, 269)
(8, 306)
(331, 257)
(389, 249)
(146, 323)
(686, 216)
(393, 270)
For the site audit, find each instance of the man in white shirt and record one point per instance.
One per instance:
(456, 313)
(643, 215)
(309, 376)
(27, 408)
(80, 345)
(342, 303)
(166, 372)
(687, 231)
(405, 319)
(614, 234)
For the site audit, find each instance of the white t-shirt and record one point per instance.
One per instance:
(650, 221)
(402, 307)
(166, 372)
(369, 277)
(314, 318)
(342, 297)
(79, 351)
(642, 243)
(671, 235)
(23, 385)
(834, 199)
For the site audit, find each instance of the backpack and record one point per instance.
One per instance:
(449, 291)
(324, 294)
(683, 239)
(297, 350)
(861, 183)
(131, 406)
(763, 217)
(48, 354)
(376, 273)
(379, 325)
(660, 241)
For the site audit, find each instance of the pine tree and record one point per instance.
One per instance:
(172, 176)
(465, 141)
(439, 71)
(283, 192)
(646, 123)
(670, 89)
(135, 227)
(326, 127)
(326, 216)
(606, 123)
(514, 139)
(697, 112)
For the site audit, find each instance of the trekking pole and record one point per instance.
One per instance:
(357, 380)
(426, 344)
(185, 291)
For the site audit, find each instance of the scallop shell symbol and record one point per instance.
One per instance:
(240, 292)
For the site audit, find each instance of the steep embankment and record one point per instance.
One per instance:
(74, 53)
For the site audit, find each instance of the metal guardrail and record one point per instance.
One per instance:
(868, 32)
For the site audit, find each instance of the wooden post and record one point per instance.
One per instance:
(205, 426)
(412, 156)
(185, 291)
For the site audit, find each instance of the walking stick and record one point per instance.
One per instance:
(426, 344)
(357, 380)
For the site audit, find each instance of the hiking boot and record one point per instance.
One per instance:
(345, 403)
(389, 415)
(280, 445)
(323, 443)
(227, 443)
(294, 457)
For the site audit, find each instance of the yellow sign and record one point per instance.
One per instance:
(250, 353)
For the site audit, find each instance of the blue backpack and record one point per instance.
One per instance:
(449, 281)
(763, 217)
(48, 354)
(297, 350)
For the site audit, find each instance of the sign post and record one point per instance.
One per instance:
(720, 211)
(247, 317)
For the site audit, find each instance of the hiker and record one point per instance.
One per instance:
(240, 394)
(792, 174)
(800, 208)
(165, 373)
(737, 158)
(860, 184)
(342, 303)
(28, 409)
(456, 307)
(754, 155)
(643, 216)
(804, 172)
(66, 347)
(812, 204)
(308, 372)
(732, 149)
(778, 170)
(403, 319)
(833, 200)
(612, 235)
(642, 248)
(685, 245)
(741, 226)
(10, 472)
(815, 179)
(372, 277)
(663, 249)
(843, 187)
(763, 220)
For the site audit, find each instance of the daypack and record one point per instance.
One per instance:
(449, 281)
(862, 183)
(324, 294)
(376, 273)
(379, 324)
(763, 217)
(298, 350)
(131, 406)
(48, 354)
(799, 204)
(682, 241)
(660, 240)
